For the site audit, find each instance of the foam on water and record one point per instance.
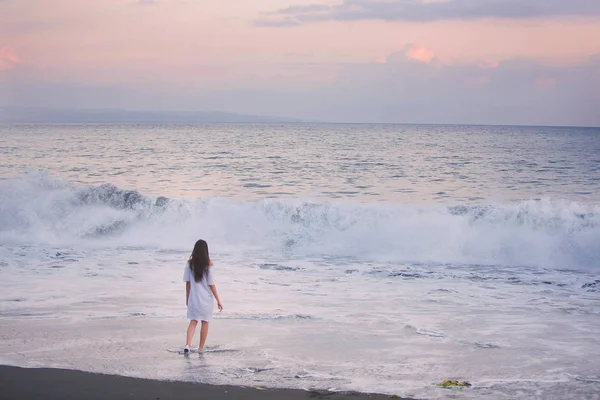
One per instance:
(39, 209)
(372, 297)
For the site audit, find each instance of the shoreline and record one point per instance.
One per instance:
(52, 383)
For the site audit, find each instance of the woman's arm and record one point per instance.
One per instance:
(213, 289)
(187, 292)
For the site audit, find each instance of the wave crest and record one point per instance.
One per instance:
(43, 210)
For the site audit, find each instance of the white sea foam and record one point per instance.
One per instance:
(38, 209)
(388, 298)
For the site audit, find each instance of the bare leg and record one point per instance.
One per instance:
(190, 332)
(203, 334)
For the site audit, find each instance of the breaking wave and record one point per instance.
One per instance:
(38, 209)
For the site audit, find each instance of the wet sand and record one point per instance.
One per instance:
(49, 384)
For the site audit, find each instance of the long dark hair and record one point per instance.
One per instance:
(199, 260)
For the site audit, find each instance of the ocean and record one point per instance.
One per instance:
(377, 258)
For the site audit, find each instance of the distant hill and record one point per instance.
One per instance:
(57, 115)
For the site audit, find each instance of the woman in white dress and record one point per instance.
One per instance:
(200, 293)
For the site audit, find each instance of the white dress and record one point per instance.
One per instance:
(201, 300)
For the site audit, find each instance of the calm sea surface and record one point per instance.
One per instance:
(391, 163)
(380, 258)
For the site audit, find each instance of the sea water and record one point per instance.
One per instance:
(379, 258)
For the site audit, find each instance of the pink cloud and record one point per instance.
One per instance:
(8, 58)
(412, 51)
(419, 52)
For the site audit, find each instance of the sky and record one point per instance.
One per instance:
(531, 62)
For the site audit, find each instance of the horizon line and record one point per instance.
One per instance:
(260, 118)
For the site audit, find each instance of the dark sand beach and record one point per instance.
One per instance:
(50, 384)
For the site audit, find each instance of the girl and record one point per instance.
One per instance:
(200, 290)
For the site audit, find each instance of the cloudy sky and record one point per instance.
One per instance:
(424, 61)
